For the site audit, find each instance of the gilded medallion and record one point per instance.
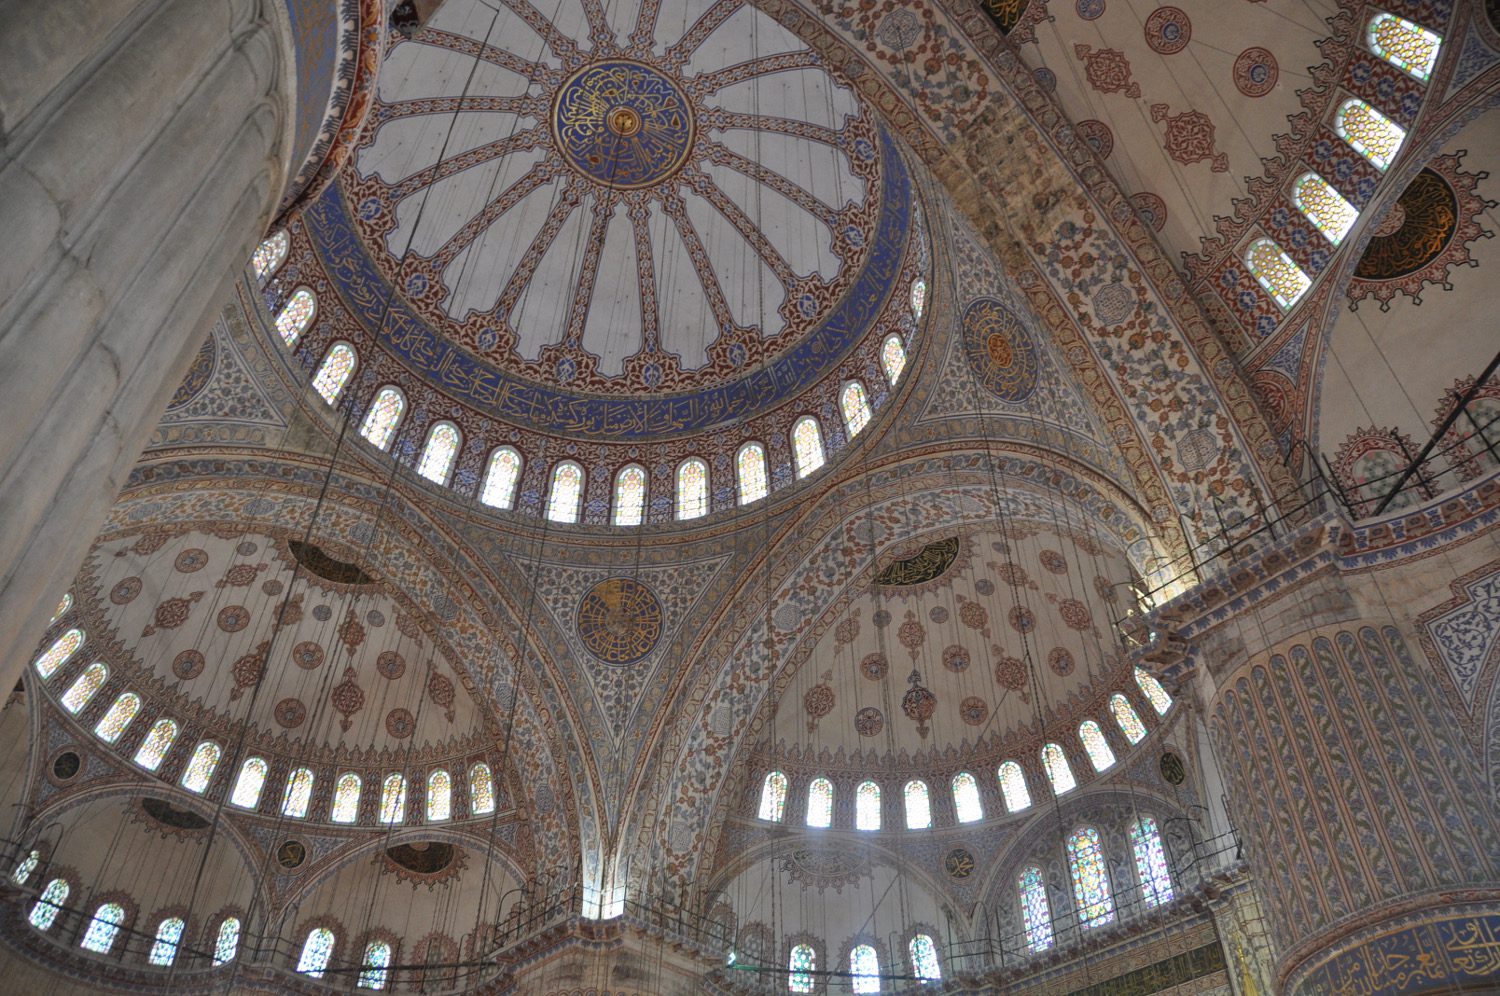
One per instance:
(623, 124)
(619, 621)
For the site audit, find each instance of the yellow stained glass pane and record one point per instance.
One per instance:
(752, 468)
(1404, 44)
(856, 407)
(296, 315)
(630, 496)
(692, 489)
(335, 371)
(1370, 133)
(1324, 207)
(807, 446)
(893, 357)
(270, 254)
(380, 421)
(1281, 278)
(501, 478)
(442, 450)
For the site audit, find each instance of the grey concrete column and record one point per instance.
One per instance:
(142, 151)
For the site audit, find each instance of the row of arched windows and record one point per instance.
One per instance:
(967, 805)
(1374, 136)
(864, 965)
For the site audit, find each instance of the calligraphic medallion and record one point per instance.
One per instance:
(929, 564)
(1000, 350)
(619, 621)
(623, 124)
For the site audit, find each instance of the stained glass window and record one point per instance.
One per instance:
(501, 478)
(296, 315)
(864, 966)
(820, 803)
(63, 606)
(867, 806)
(1404, 44)
(893, 357)
(918, 806)
(158, 741)
(630, 495)
(481, 790)
(807, 446)
(113, 722)
(377, 960)
(918, 297)
(383, 417)
(100, 936)
(1151, 862)
(1160, 700)
(168, 936)
(393, 799)
(247, 786)
(1013, 787)
(1035, 909)
(567, 492)
(57, 655)
(1059, 772)
(439, 795)
(692, 489)
(924, 959)
(316, 951)
(966, 798)
(298, 795)
(26, 867)
(1282, 279)
(1090, 880)
(752, 467)
(200, 767)
(337, 367)
(1125, 715)
(1370, 133)
(346, 798)
(856, 407)
(227, 943)
(49, 904)
(773, 797)
(84, 686)
(270, 254)
(1095, 745)
(441, 451)
(802, 964)
(1324, 207)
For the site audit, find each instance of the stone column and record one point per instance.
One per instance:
(142, 151)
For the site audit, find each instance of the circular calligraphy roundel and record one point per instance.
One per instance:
(619, 621)
(1000, 350)
(623, 124)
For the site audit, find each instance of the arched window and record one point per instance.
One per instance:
(1125, 716)
(49, 904)
(200, 767)
(1404, 45)
(918, 298)
(566, 498)
(1160, 700)
(227, 941)
(1013, 787)
(247, 786)
(84, 686)
(966, 798)
(393, 799)
(376, 961)
(1090, 879)
(501, 478)
(439, 795)
(924, 959)
(692, 489)
(1370, 133)
(113, 722)
(26, 867)
(918, 806)
(100, 936)
(168, 936)
(1094, 744)
(1282, 279)
(440, 453)
(1324, 206)
(856, 407)
(867, 806)
(864, 966)
(773, 797)
(63, 605)
(383, 417)
(316, 951)
(893, 357)
(1151, 862)
(630, 495)
(1035, 909)
(807, 446)
(296, 315)
(335, 372)
(299, 786)
(346, 798)
(1059, 773)
(481, 790)
(158, 741)
(57, 655)
(820, 803)
(751, 463)
(801, 965)
(270, 254)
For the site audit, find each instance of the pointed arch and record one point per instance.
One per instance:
(481, 790)
(346, 798)
(383, 417)
(61, 651)
(918, 805)
(164, 945)
(120, 713)
(501, 477)
(1152, 689)
(200, 767)
(296, 315)
(440, 453)
(867, 806)
(1036, 911)
(103, 928)
(1324, 206)
(1095, 745)
(750, 462)
(1151, 862)
(820, 803)
(1013, 787)
(1096, 904)
(439, 795)
(84, 686)
(158, 741)
(247, 787)
(1370, 133)
(334, 372)
(1407, 46)
(270, 254)
(317, 950)
(298, 795)
(966, 802)
(692, 489)
(856, 407)
(893, 357)
(393, 798)
(924, 958)
(227, 940)
(49, 903)
(565, 499)
(1277, 274)
(773, 797)
(1126, 718)
(1059, 772)
(807, 446)
(630, 495)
